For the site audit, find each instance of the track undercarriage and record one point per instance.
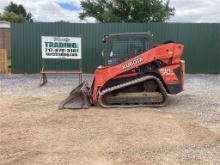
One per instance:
(147, 91)
(122, 95)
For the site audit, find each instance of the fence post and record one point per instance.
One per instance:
(3, 61)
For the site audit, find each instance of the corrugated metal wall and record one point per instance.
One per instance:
(202, 48)
(219, 48)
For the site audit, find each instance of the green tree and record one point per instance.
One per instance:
(12, 17)
(127, 10)
(19, 10)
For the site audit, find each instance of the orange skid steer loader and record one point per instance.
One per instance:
(134, 74)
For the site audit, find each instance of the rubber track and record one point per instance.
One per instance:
(136, 81)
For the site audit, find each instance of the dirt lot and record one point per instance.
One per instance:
(33, 131)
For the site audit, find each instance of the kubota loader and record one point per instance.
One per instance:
(134, 74)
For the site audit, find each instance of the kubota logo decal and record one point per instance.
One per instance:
(131, 63)
(166, 71)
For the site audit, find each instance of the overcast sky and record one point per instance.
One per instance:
(67, 10)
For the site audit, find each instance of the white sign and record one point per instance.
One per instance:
(61, 47)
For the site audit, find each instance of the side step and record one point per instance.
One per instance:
(78, 99)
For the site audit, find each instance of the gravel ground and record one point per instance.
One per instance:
(33, 131)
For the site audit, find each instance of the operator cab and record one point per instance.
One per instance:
(122, 46)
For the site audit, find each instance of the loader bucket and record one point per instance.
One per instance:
(78, 99)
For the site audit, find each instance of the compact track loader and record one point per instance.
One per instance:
(134, 74)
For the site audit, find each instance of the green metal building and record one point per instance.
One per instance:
(201, 41)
